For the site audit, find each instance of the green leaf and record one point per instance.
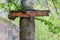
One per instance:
(2, 5)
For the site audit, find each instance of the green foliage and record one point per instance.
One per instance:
(45, 27)
(52, 21)
(12, 5)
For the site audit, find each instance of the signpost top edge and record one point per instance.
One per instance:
(28, 10)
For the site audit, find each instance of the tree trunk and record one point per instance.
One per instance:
(27, 26)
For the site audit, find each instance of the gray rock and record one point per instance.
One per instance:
(8, 30)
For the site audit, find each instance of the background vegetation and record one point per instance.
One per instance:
(47, 27)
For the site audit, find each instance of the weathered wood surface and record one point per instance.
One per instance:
(31, 13)
(27, 28)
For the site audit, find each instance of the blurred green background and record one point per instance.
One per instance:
(46, 27)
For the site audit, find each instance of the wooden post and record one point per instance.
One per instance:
(27, 25)
(27, 28)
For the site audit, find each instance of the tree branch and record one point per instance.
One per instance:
(55, 7)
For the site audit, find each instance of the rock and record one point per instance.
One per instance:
(8, 30)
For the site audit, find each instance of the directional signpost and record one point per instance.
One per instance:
(27, 25)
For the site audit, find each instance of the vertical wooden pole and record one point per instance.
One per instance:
(27, 26)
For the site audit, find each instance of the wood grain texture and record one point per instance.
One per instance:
(27, 28)
(31, 13)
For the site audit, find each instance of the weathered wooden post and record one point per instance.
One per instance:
(27, 25)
